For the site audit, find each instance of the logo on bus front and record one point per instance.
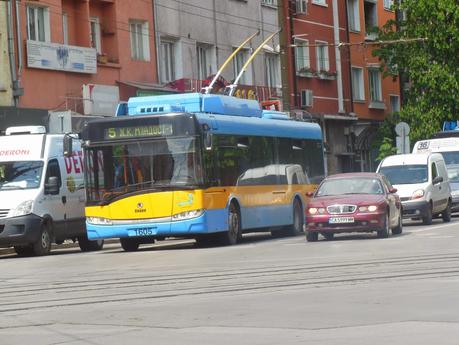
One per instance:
(140, 208)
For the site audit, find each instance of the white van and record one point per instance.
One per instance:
(41, 192)
(449, 148)
(422, 183)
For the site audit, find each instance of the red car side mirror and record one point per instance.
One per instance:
(310, 194)
(393, 190)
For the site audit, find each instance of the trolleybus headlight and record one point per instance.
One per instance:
(187, 215)
(22, 209)
(98, 221)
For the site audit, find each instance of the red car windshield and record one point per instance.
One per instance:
(351, 185)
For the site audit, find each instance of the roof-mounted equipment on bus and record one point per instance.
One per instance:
(208, 89)
(230, 89)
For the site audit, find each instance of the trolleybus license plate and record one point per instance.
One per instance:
(341, 220)
(141, 232)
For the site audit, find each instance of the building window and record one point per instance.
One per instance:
(306, 98)
(353, 14)
(140, 48)
(371, 18)
(388, 4)
(301, 6)
(65, 27)
(167, 61)
(269, 2)
(374, 80)
(323, 63)
(95, 34)
(38, 24)
(272, 68)
(394, 103)
(320, 2)
(239, 61)
(302, 55)
(357, 84)
(203, 53)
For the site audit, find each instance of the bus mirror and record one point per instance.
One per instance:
(207, 137)
(67, 145)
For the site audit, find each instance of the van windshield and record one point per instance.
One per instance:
(452, 165)
(405, 174)
(20, 175)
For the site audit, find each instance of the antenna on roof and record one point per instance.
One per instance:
(244, 68)
(208, 89)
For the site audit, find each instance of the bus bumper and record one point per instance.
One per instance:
(210, 221)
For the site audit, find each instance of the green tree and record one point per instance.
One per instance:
(426, 53)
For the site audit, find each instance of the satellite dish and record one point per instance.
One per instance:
(402, 129)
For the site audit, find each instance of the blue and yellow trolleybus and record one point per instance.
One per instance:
(202, 166)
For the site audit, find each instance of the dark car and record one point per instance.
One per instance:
(353, 202)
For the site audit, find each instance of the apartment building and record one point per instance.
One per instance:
(195, 38)
(78, 54)
(374, 96)
(335, 80)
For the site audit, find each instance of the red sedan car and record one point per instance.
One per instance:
(353, 202)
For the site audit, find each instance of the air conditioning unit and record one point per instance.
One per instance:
(306, 98)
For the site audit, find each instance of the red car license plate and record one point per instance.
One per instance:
(340, 220)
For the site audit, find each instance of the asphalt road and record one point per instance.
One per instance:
(356, 289)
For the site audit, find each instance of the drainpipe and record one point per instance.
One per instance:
(339, 75)
(19, 43)
(157, 41)
(12, 58)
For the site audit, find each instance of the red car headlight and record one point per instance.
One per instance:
(370, 208)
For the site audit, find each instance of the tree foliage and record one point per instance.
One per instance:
(431, 66)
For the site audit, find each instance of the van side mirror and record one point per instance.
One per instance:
(437, 180)
(52, 185)
(67, 145)
(393, 190)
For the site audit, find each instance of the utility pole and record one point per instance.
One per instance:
(284, 42)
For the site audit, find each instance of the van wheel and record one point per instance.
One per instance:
(129, 244)
(88, 246)
(446, 214)
(43, 245)
(427, 219)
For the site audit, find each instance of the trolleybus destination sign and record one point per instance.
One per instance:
(138, 131)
